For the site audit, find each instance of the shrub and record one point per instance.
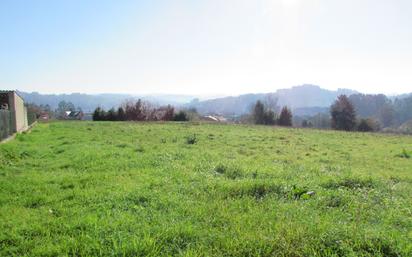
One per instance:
(307, 124)
(257, 190)
(350, 183)
(181, 116)
(231, 172)
(368, 125)
(139, 149)
(334, 201)
(220, 169)
(404, 154)
(191, 140)
(297, 192)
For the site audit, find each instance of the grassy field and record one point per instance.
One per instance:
(128, 189)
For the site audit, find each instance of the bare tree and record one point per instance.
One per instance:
(271, 102)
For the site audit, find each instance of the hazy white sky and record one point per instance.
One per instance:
(205, 47)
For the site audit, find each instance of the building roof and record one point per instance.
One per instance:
(73, 113)
(215, 118)
(11, 91)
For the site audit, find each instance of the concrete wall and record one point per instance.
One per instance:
(20, 112)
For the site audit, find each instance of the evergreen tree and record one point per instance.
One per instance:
(343, 114)
(306, 124)
(269, 117)
(181, 116)
(285, 118)
(121, 114)
(97, 114)
(111, 115)
(259, 113)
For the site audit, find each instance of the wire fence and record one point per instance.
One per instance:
(6, 124)
(31, 117)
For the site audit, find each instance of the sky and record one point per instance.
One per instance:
(205, 47)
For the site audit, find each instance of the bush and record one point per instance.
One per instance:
(257, 190)
(367, 125)
(350, 183)
(230, 172)
(404, 154)
(191, 140)
(181, 116)
(307, 124)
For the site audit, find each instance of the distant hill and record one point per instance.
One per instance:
(88, 103)
(310, 111)
(402, 96)
(231, 105)
(309, 96)
(299, 98)
(305, 100)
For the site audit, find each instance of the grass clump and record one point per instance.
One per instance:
(254, 189)
(334, 201)
(350, 183)
(230, 172)
(139, 149)
(404, 154)
(34, 202)
(297, 193)
(191, 139)
(122, 145)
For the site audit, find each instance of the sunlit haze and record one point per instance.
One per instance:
(205, 47)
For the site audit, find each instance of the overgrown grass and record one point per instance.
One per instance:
(137, 189)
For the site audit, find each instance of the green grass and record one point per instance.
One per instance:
(129, 189)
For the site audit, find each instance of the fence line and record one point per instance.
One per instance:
(31, 117)
(6, 124)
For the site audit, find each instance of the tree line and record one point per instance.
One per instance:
(59, 113)
(371, 113)
(266, 114)
(140, 111)
(377, 111)
(342, 116)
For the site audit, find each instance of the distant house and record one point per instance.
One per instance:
(74, 115)
(213, 118)
(11, 101)
(44, 116)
